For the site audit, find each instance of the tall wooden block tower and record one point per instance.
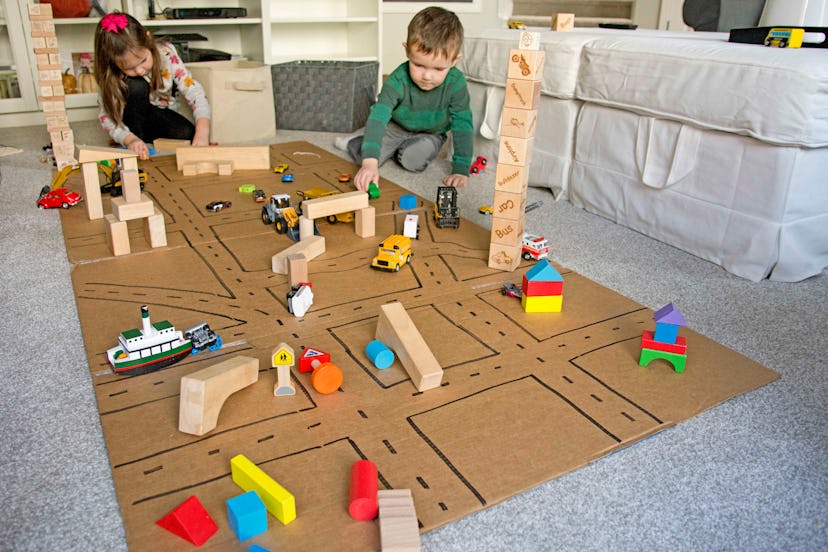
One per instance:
(50, 85)
(517, 135)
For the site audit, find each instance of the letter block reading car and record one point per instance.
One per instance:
(393, 253)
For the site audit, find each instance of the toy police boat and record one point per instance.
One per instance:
(154, 346)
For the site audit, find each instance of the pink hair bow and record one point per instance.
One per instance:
(114, 22)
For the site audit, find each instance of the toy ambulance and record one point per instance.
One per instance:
(534, 247)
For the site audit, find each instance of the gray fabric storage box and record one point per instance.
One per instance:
(333, 96)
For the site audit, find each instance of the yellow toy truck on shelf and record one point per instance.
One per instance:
(393, 253)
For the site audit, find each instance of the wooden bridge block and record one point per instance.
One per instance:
(203, 393)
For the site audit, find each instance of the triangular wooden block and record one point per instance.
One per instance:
(190, 521)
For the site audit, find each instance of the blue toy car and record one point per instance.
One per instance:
(287, 177)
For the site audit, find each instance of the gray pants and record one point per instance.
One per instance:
(413, 151)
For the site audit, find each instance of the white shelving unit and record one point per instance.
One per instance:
(274, 31)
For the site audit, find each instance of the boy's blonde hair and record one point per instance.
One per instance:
(110, 44)
(436, 30)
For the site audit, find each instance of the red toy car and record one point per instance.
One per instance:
(59, 197)
(479, 165)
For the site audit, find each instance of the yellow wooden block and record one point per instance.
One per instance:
(542, 303)
(250, 477)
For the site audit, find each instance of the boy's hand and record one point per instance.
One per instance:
(456, 180)
(137, 146)
(367, 174)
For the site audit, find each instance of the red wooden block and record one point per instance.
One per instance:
(190, 521)
(648, 342)
(535, 287)
(364, 504)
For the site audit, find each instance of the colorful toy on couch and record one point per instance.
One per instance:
(665, 343)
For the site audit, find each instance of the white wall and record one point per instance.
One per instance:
(395, 25)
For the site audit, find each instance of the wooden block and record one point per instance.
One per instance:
(516, 151)
(399, 528)
(563, 22)
(310, 247)
(191, 169)
(526, 64)
(542, 303)
(48, 61)
(244, 157)
(511, 178)
(519, 123)
(50, 76)
(156, 230)
(42, 27)
(522, 94)
(528, 40)
(203, 392)
(396, 329)
(297, 269)
(225, 168)
(334, 204)
(130, 183)
(365, 222)
(39, 11)
(306, 226)
(250, 477)
(507, 231)
(94, 153)
(117, 232)
(92, 191)
(169, 144)
(504, 257)
(508, 205)
(133, 210)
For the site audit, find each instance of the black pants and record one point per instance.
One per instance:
(148, 121)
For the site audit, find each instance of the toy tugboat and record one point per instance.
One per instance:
(151, 348)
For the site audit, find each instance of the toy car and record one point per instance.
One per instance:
(259, 196)
(512, 290)
(479, 165)
(287, 177)
(344, 177)
(485, 209)
(517, 25)
(216, 206)
(280, 168)
(60, 197)
(247, 188)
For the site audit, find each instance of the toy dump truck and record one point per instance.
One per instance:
(446, 213)
(393, 253)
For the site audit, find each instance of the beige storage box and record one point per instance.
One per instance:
(241, 99)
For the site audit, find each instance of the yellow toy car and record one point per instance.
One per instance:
(280, 168)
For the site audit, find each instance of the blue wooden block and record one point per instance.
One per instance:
(666, 333)
(247, 515)
(257, 548)
(408, 201)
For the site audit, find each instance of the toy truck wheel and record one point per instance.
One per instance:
(527, 256)
(331, 219)
(265, 217)
(281, 226)
(397, 268)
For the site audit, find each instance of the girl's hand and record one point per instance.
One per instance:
(202, 132)
(367, 174)
(456, 180)
(136, 145)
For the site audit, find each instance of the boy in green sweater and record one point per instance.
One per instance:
(420, 102)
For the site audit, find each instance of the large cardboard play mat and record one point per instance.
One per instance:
(525, 397)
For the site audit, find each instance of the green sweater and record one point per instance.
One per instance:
(435, 112)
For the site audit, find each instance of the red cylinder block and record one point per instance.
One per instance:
(363, 504)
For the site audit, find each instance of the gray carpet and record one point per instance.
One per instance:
(748, 475)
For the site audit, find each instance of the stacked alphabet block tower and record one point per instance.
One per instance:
(517, 134)
(50, 85)
(665, 343)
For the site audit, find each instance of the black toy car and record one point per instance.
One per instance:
(216, 206)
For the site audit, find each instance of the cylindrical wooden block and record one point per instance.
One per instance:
(380, 355)
(363, 504)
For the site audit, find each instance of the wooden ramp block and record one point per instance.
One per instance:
(203, 393)
(310, 247)
(396, 329)
(244, 157)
